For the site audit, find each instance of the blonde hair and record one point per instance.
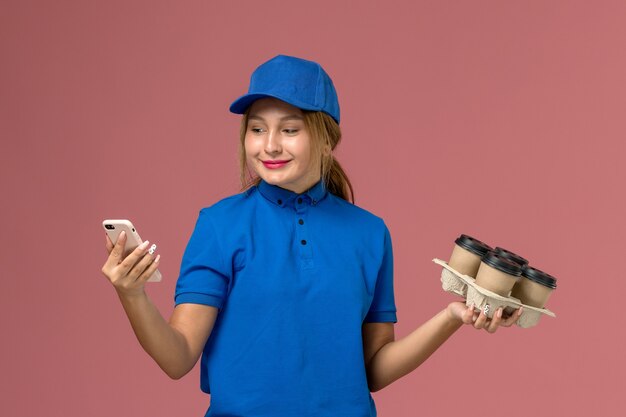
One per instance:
(325, 136)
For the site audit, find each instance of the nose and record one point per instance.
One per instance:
(272, 143)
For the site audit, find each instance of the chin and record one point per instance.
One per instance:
(270, 179)
(272, 176)
(276, 182)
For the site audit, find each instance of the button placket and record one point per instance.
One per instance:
(302, 235)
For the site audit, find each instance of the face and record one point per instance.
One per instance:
(278, 145)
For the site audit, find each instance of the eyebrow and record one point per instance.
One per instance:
(288, 117)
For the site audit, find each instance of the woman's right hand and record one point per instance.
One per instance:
(128, 275)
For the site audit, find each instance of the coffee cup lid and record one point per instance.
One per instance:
(510, 255)
(502, 264)
(539, 277)
(473, 245)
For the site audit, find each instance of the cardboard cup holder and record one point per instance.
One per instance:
(465, 286)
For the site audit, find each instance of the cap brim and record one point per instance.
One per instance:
(240, 105)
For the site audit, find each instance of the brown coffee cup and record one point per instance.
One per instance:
(467, 254)
(497, 274)
(511, 256)
(534, 287)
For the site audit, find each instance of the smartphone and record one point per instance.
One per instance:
(113, 228)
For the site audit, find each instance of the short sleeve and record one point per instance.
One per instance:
(383, 307)
(204, 275)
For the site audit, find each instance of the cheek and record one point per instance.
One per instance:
(304, 149)
(310, 155)
(249, 146)
(249, 152)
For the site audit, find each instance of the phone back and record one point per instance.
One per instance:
(114, 227)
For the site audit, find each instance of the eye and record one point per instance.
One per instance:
(256, 130)
(290, 131)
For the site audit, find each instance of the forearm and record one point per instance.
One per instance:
(398, 358)
(158, 338)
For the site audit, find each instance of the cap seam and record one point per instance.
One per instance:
(317, 87)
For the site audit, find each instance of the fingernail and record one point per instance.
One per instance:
(157, 258)
(144, 245)
(520, 311)
(499, 312)
(123, 234)
(152, 249)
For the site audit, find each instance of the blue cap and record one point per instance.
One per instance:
(299, 82)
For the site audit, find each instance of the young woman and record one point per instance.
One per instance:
(285, 289)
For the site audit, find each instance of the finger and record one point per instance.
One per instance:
(116, 253)
(109, 243)
(468, 315)
(513, 319)
(140, 266)
(481, 321)
(149, 270)
(495, 321)
(135, 256)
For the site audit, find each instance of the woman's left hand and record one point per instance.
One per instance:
(459, 311)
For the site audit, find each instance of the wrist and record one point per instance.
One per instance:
(454, 313)
(131, 297)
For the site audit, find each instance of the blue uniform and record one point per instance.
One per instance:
(294, 276)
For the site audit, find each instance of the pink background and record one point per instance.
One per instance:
(502, 120)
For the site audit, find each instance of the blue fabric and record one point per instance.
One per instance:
(299, 82)
(294, 276)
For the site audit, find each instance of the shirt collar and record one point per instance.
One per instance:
(283, 197)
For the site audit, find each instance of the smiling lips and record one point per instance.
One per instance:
(274, 164)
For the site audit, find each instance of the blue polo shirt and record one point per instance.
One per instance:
(294, 277)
